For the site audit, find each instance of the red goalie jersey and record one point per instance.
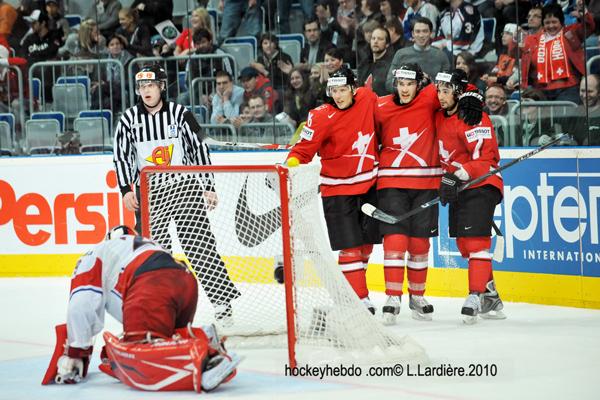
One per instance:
(409, 155)
(473, 148)
(345, 140)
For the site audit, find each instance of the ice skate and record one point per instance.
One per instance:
(471, 308)
(421, 309)
(491, 305)
(219, 369)
(390, 310)
(224, 314)
(367, 302)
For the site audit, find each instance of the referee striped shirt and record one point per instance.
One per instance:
(169, 137)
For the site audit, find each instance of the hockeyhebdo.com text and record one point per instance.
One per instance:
(396, 370)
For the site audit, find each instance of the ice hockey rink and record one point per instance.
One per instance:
(541, 352)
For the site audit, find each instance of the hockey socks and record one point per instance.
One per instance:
(394, 248)
(418, 261)
(351, 263)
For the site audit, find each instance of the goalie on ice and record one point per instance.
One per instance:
(154, 296)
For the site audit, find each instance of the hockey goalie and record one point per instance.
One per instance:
(154, 296)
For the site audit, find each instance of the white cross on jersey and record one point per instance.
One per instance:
(405, 140)
(361, 145)
(559, 71)
(540, 75)
(445, 156)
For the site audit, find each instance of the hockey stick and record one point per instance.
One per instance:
(265, 146)
(380, 215)
(498, 255)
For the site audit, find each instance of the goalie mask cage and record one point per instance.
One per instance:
(265, 217)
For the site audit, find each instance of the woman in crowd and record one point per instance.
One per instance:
(466, 62)
(300, 99)
(200, 19)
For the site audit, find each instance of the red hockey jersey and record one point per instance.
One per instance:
(409, 156)
(473, 148)
(346, 142)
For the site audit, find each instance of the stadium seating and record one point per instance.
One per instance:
(41, 135)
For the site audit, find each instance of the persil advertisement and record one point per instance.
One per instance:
(549, 215)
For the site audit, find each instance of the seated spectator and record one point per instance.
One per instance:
(200, 20)
(432, 60)
(460, 29)
(226, 100)
(255, 84)
(204, 67)
(90, 44)
(584, 124)
(106, 14)
(299, 99)
(419, 8)
(374, 72)
(495, 101)
(325, 13)
(272, 62)
(466, 62)
(267, 134)
(392, 10)
(244, 117)
(318, 82)
(56, 22)
(135, 33)
(372, 18)
(553, 59)
(41, 45)
(396, 32)
(334, 60)
(506, 67)
(8, 16)
(315, 46)
(114, 82)
(535, 122)
(152, 12)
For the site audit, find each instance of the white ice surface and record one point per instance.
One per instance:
(541, 352)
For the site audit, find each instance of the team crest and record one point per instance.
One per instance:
(161, 155)
(172, 131)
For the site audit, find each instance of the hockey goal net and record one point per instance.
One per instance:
(266, 217)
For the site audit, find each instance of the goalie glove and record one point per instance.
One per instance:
(73, 366)
(449, 188)
(470, 108)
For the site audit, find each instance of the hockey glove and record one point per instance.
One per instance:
(73, 366)
(470, 108)
(449, 188)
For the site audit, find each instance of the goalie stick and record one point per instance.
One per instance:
(380, 215)
(264, 146)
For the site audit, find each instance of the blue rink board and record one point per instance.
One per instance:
(546, 231)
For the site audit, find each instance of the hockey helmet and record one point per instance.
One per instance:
(408, 71)
(151, 73)
(342, 77)
(119, 231)
(457, 79)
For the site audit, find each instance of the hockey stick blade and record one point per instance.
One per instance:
(379, 215)
(264, 146)
(498, 254)
(393, 219)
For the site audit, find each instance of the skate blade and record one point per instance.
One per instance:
(493, 315)
(469, 320)
(420, 316)
(389, 319)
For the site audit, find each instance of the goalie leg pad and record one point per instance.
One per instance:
(59, 350)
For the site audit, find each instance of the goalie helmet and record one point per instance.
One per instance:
(342, 77)
(151, 73)
(119, 231)
(457, 79)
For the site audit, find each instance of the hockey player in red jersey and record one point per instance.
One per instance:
(409, 175)
(467, 152)
(343, 134)
(154, 296)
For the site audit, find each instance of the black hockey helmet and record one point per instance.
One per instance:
(119, 231)
(408, 71)
(457, 79)
(151, 73)
(342, 77)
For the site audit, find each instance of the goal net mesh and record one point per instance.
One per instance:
(233, 240)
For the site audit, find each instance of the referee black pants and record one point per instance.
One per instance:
(183, 202)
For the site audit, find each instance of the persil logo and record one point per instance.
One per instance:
(36, 219)
(551, 219)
